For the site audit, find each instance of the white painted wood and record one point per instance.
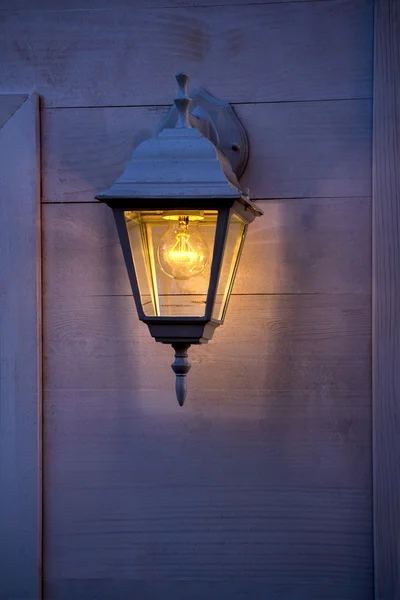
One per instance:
(320, 149)
(31, 5)
(253, 53)
(232, 589)
(292, 249)
(97, 342)
(261, 487)
(386, 300)
(204, 538)
(263, 481)
(20, 354)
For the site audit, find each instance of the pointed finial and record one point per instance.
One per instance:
(181, 367)
(183, 101)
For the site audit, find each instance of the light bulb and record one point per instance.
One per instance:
(182, 252)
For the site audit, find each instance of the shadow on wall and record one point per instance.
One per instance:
(265, 468)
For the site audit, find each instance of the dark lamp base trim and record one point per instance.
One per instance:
(172, 332)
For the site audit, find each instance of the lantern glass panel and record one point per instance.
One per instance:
(172, 253)
(233, 248)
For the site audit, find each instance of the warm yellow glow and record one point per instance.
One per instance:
(182, 252)
(182, 255)
(190, 216)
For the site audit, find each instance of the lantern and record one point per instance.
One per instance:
(182, 220)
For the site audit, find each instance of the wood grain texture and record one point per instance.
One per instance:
(313, 149)
(297, 341)
(293, 249)
(20, 354)
(234, 589)
(262, 483)
(204, 540)
(386, 298)
(261, 487)
(109, 57)
(31, 5)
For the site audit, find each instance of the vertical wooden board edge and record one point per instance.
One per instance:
(22, 132)
(385, 300)
(35, 99)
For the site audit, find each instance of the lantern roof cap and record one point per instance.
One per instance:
(178, 163)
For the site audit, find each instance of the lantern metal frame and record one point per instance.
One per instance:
(148, 184)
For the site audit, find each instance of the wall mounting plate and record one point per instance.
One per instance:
(218, 122)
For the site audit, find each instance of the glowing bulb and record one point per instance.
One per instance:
(182, 252)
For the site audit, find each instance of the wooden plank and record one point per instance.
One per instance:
(268, 467)
(293, 249)
(20, 354)
(313, 149)
(200, 537)
(386, 299)
(234, 589)
(115, 4)
(290, 342)
(108, 57)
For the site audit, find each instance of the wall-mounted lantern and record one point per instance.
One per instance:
(182, 219)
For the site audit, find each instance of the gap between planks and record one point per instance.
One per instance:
(157, 106)
(271, 199)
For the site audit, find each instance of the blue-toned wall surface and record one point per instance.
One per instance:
(260, 486)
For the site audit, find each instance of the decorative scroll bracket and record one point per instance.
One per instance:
(217, 121)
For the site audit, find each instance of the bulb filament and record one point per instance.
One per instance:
(182, 251)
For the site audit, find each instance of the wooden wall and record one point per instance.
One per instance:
(20, 348)
(386, 299)
(261, 486)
